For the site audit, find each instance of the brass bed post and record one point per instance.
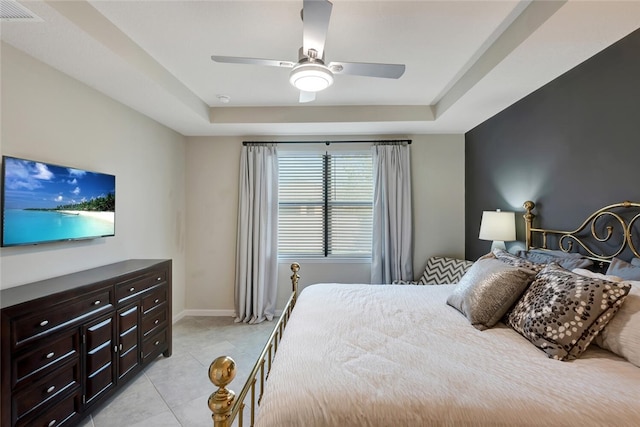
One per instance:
(221, 372)
(528, 222)
(223, 403)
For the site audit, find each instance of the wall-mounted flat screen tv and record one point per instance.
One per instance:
(43, 202)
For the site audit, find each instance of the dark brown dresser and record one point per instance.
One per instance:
(69, 342)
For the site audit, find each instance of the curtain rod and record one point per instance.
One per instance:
(408, 141)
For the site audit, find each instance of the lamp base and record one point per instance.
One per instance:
(498, 244)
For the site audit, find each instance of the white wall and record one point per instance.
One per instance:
(49, 116)
(212, 204)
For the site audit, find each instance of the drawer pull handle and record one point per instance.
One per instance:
(156, 343)
(50, 355)
(96, 302)
(159, 278)
(131, 289)
(50, 389)
(156, 322)
(157, 300)
(120, 347)
(52, 423)
(44, 323)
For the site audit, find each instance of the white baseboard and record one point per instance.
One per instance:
(210, 313)
(178, 317)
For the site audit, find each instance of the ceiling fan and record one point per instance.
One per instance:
(310, 74)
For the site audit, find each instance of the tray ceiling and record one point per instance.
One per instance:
(465, 60)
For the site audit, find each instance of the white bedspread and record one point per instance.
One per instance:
(366, 355)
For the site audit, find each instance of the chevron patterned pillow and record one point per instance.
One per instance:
(443, 270)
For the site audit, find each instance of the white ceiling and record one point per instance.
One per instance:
(465, 60)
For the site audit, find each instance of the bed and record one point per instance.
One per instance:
(379, 355)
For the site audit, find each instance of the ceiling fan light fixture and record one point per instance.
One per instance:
(311, 77)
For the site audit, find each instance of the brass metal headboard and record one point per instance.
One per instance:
(605, 234)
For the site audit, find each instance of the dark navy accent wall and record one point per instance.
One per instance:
(573, 146)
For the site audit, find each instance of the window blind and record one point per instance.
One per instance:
(325, 205)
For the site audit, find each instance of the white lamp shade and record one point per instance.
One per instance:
(497, 225)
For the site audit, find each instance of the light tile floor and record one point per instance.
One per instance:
(173, 391)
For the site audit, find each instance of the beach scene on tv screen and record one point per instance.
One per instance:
(44, 202)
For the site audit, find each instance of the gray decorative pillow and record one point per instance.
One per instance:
(564, 259)
(562, 312)
(443, 270)
(636, 262)
(623, 269)
(488, 290)
(516, 261)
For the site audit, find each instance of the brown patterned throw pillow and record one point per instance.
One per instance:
(562, 312)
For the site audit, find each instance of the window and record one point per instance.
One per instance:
(325, 205)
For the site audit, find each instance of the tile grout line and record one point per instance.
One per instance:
(162, 397)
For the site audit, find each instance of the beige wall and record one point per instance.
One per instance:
(437, 169)
(212, 207)
(177, 197)
(49, 116)
(212, 203)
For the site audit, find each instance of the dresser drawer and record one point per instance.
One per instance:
(134, 287)
(63, 413)
(46, 357)
(27, 328)
(154, 299)
(31, 399)
(153, 320)
(154, 346)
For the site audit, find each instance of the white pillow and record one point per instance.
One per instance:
(589, 273)
(622, 334)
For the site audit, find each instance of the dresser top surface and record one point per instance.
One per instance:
(43, 288)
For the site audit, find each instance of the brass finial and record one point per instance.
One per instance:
(529, 205)
(295, 267)
(221, 372)
(528, 216)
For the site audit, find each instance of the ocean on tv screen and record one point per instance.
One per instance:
(45, 202)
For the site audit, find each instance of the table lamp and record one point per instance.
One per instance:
(499, 227)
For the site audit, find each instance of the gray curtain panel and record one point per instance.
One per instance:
(392, 251)
(257, 241)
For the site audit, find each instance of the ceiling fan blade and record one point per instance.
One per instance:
(388, 71)
(252, 61)
(307, 96)
(315, 21)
